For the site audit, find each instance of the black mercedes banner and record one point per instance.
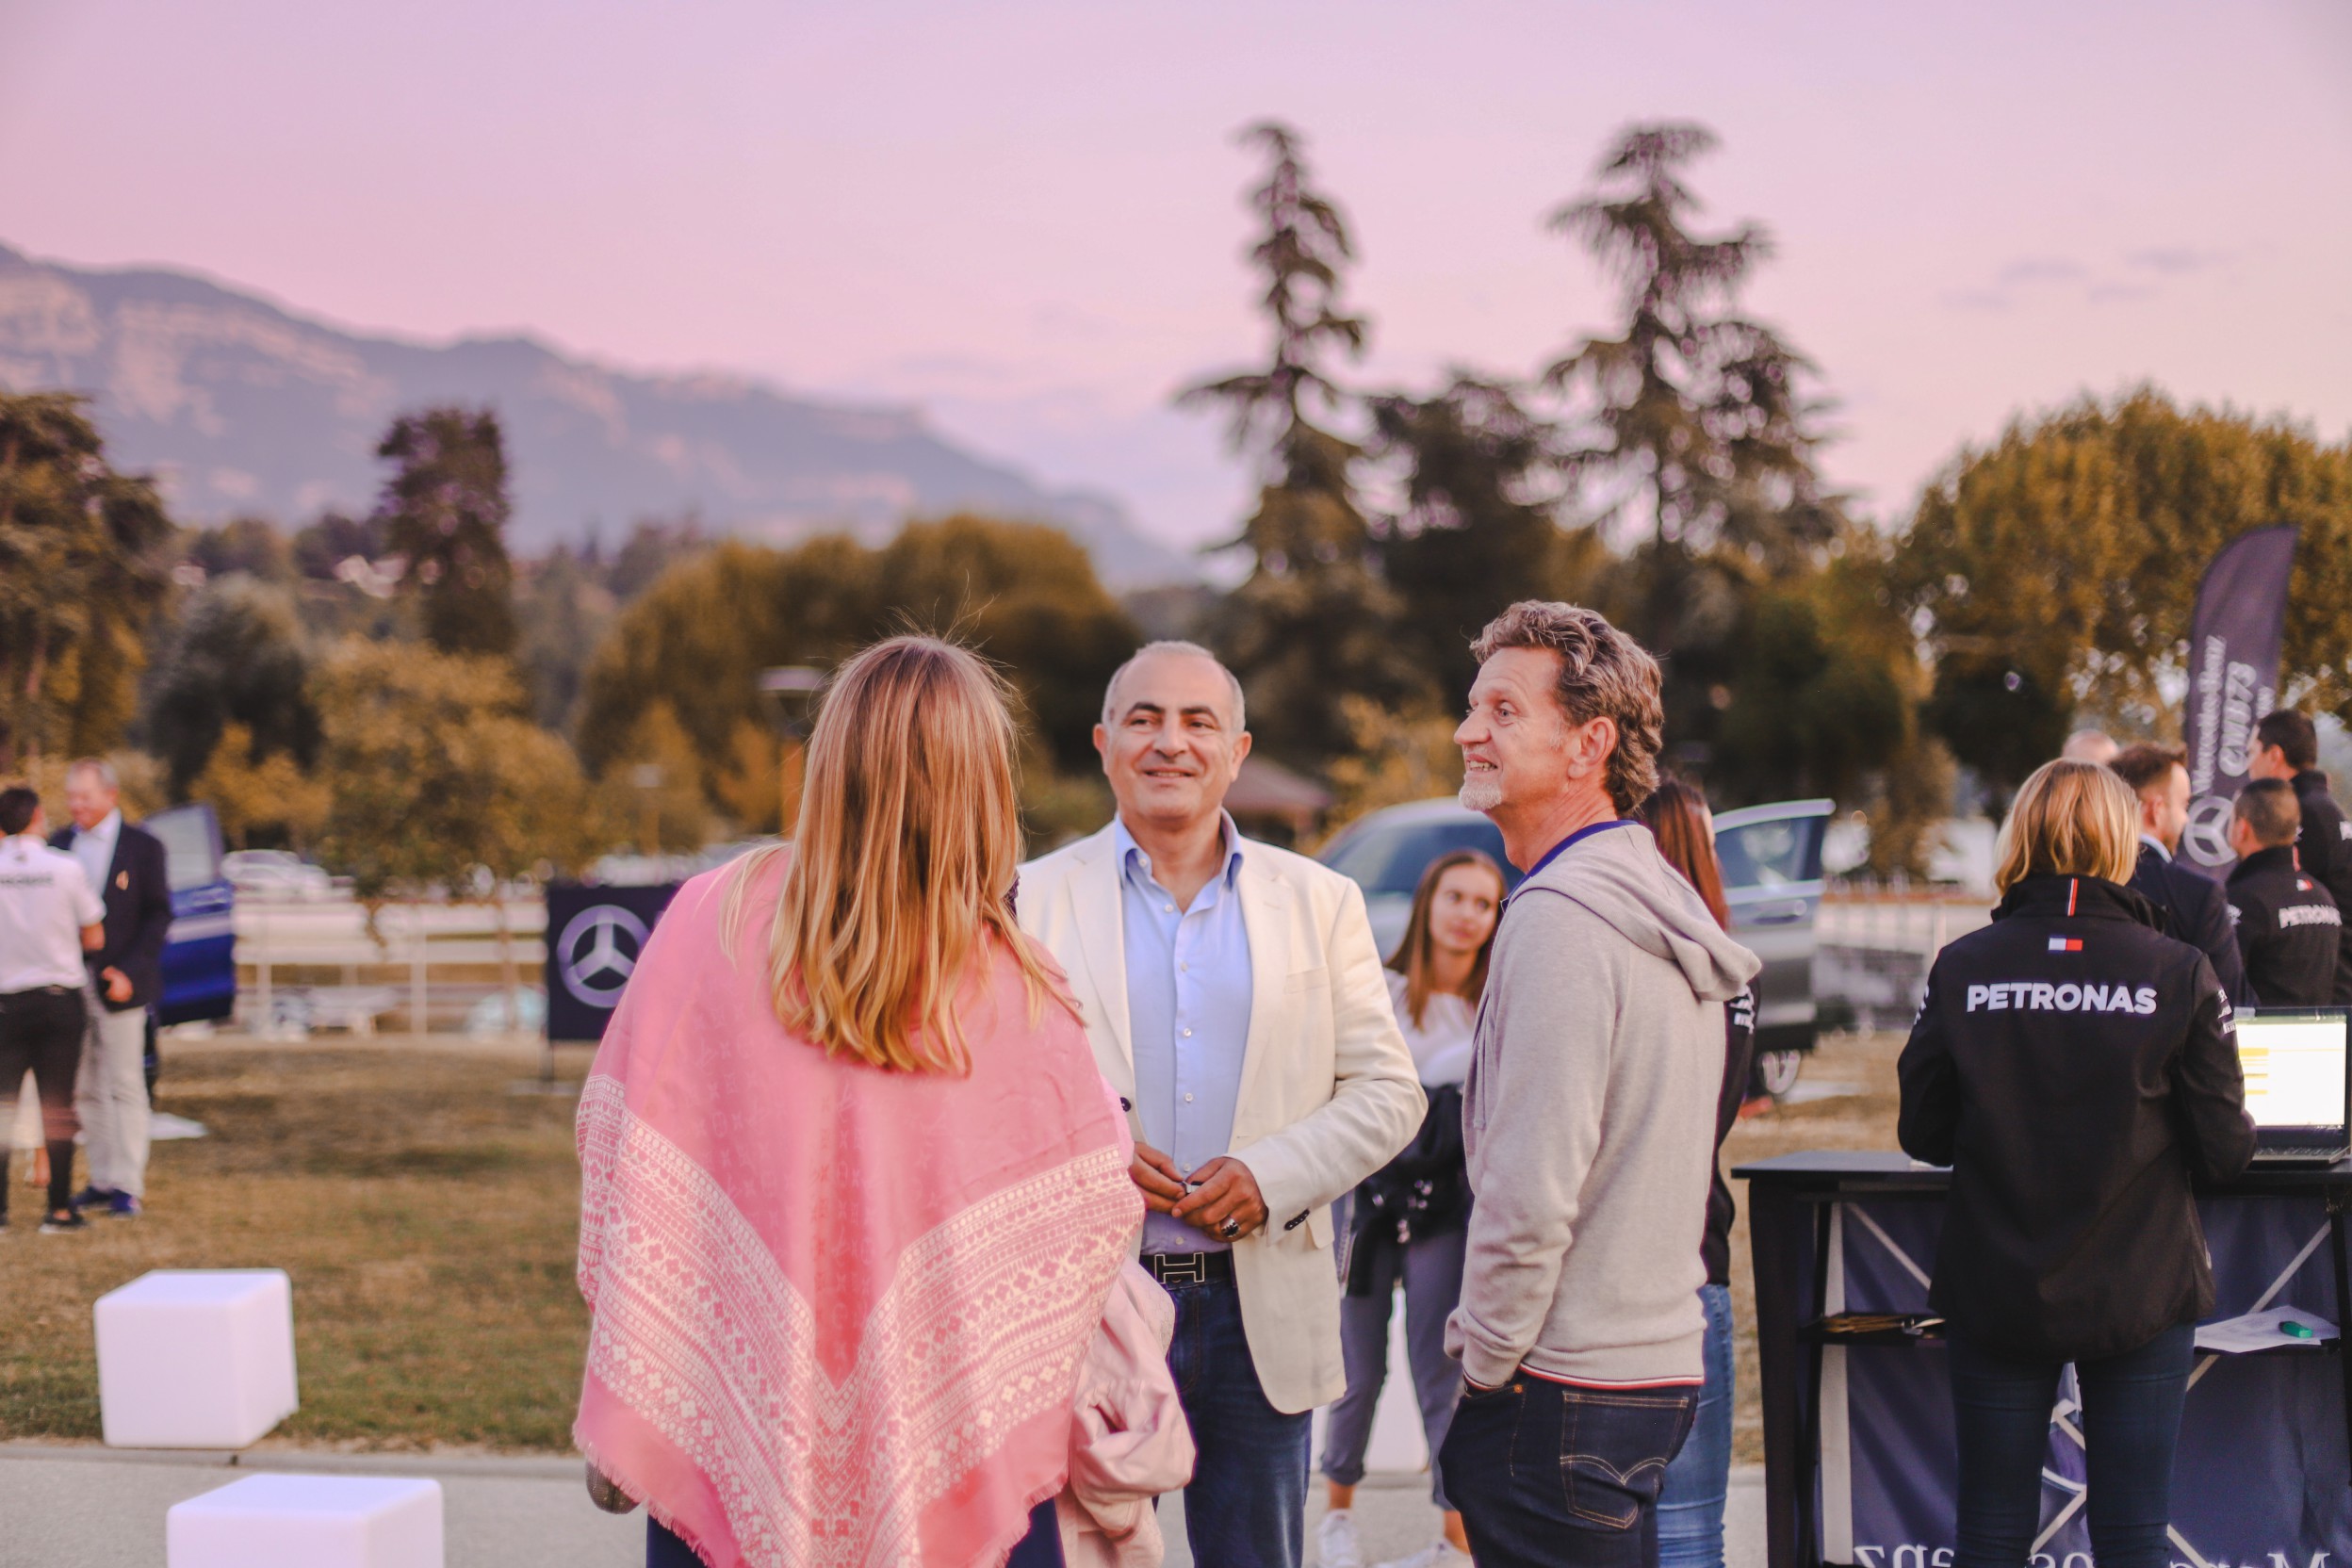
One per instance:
(593, 938)
(2235, 639)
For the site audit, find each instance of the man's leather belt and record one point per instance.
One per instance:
(1190, 1268)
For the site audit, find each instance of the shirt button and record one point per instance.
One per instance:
(1183, 968)
(1187, 1099)
(1169, 907)
(1187, 1035)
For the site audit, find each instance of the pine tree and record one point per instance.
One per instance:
(1311, 623)
(445, 509)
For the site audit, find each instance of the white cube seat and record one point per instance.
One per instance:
(196, 1358)
(308, 1522)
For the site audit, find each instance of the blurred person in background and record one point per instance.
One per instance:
(2090, 746)
(1409, 1220)
(854, 1199)
(2286, 746)
(2196, 909)
(1587, 1120)
(126, 866)
(49, 918)
(2074, 1067)
(1236, 1000)
(2289, 927)
(1698, 1482)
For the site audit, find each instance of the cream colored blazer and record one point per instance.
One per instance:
(1327, 1089)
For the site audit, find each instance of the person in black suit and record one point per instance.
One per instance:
(126, 865)
(2288, 922)
(2195, 908)
(2286, 746)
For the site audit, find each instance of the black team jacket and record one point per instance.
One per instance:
(2075, 1068)
(2325, 848)
(2196, 911)
(2289, 929)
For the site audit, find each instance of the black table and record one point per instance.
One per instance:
(1858, 1440)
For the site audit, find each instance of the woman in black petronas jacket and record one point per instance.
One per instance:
(2075, 1068)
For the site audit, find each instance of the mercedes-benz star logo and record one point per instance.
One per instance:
(599, 951)
(2206, 840)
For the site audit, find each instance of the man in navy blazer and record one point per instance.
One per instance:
(128, 867)
(2197, 910)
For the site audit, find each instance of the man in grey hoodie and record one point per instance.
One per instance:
(1590, 1113)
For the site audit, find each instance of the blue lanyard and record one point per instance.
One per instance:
(1571, 841)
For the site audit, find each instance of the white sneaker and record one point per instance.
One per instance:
(1336, 1542)
(1438, 1554)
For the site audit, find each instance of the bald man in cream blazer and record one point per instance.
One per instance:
(1236, 1002)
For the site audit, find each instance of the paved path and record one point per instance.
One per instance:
(100, 1507)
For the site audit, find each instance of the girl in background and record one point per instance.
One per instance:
(1410, 1218)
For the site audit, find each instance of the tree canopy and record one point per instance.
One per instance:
(1022, 594)
(2055, 571)
(445, 509)
(81, 574)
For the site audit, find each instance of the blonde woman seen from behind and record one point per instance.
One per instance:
(853, 1196)
(2074, 1067)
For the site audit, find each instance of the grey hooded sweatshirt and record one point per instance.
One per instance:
(1589, 1122)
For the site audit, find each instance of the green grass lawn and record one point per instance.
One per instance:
(426, 1214)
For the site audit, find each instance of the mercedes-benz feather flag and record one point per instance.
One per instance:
(2235, 639)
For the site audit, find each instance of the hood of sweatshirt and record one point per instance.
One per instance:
(1621, 877)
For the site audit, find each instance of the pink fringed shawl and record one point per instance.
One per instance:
(839, 1313)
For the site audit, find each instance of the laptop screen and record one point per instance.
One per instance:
(2295, 1067)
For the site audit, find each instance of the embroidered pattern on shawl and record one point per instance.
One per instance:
(698, 1331)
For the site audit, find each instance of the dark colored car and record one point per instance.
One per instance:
(199, 959)
(1771, 860)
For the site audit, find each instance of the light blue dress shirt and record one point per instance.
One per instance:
(1188, 981)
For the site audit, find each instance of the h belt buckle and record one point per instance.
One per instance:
(1182, 1268)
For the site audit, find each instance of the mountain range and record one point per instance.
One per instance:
(242, 407)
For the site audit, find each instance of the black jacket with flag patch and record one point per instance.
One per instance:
(2075, 1067)
(2289, 930)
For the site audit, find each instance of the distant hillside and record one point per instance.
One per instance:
(242, 407)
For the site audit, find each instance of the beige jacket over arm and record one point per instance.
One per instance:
(1327, 1089)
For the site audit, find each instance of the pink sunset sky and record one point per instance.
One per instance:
(1025, 217)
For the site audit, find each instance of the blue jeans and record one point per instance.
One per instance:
(1690, 1505)
(2131, 1420)
(1430, 1268)
(1040, 1548)
(1247, 1506)
(1563, 1478)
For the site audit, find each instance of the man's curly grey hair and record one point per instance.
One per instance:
(1604, 674)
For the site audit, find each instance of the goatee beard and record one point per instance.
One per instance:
(1481, 791)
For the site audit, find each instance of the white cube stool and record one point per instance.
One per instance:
(196, 1358)
(308, 1522)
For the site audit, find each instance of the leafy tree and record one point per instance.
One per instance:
(563, 613)
(237, 657)
(1312, 622)
(261, 799)
(2056, 570)
(323, 546)
(653, 794)
(81, 574)
(252, 546)
(1475, 532)
(1022, 595)
(652, 547)
(1698, 446)
(433, 770)
(445, 509)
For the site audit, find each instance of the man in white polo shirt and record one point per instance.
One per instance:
(49, 916)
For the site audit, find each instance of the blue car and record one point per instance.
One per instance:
(200, 958)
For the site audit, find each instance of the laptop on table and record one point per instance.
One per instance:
(2295, 1061)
